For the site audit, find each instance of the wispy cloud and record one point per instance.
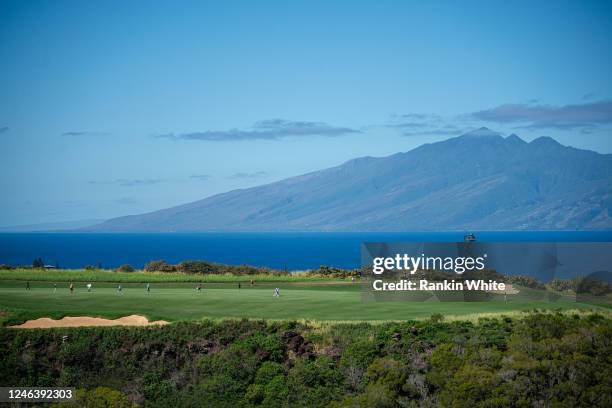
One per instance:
(272, 129)
(200, 177)
(129, 182)
(566, 117)
(436, 132)
(254, 175)
(137, 182)
(423, 124)
(4, 129)
(83, 133)
(409, 125)
(415, 116)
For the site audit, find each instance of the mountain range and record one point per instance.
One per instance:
(477, 181)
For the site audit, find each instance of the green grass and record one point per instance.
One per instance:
(80, 275)
(179, 301)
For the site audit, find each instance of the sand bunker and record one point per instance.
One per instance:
(85, 321)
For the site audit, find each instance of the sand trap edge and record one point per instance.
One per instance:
(87, 321)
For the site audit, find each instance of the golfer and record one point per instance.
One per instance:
(276, 292)
(71, 287)
(89, 287)
(148, 287)
(28, 285)
(119, 289)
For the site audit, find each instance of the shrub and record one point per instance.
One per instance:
(276, 392)
(125, 268)
(436, 317)
(267, 371)
(269, 347)
(389, 372)
(100, 397)
(201, 267)
(329, 271)
(376, 395)
(205, 267)
(254, 393)
(155, 387)
(444, 363)
(159, 266)
(360, 354)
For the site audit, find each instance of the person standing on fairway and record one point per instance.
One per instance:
(199, 287)
(28, 285)
(71, 288)
(54, 287)
(238, 285)
(148, 287)
(119, 288)
(89, 287)
(276, 292)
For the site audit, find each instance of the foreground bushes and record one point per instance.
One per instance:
(209, 268)
(200, 267)
(541, 360)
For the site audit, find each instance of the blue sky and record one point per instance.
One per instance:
(113, 108)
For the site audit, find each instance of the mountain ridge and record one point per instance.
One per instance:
(479, 180)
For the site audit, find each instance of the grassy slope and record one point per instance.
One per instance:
(298, 301)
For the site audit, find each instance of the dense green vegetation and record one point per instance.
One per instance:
(161, 271)
(102, 275)
(202, 267)
(543, 359)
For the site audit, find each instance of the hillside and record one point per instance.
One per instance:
(480, 180)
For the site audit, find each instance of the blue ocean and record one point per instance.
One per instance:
(291, 251)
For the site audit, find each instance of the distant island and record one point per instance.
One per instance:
(477, 181)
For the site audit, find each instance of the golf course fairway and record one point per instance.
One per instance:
(176, 302)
